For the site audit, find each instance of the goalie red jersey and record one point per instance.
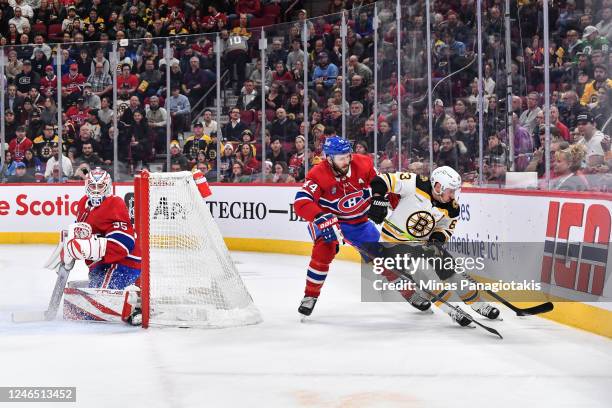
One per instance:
(111, 220)
(348, 197)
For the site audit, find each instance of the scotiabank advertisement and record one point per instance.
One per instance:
(560, 240)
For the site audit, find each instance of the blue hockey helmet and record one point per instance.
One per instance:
(336, 145)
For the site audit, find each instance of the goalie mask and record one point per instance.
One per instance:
(98, 186)
(450, 183)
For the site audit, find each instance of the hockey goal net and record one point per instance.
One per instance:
(188, 278)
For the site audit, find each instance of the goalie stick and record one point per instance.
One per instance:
(63, 271)
(56, 297)
(427, 292)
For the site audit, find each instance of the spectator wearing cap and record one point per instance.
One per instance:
(601, 80)
(592, 139)
(195, 143)
(100, 81)
(27, 79)
(179, 107)
(72, 85)
(227, 162)
(25, 113)
(176, 156)
(12, 100)
(48, 83)
(439, 118)
(592, 41)
(21, 175)
(325, 73)
(157, 118)
(19, 20)
(68, 21)
(35, 124)
(20, 144)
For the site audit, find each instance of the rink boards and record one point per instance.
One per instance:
(261, 218)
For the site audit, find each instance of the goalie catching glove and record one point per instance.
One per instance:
(81, 244)
(378, 209)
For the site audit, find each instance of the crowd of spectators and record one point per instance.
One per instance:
(33, 32)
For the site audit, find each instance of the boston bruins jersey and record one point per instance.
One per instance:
(417, 215)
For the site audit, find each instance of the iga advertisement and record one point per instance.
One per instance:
(560, 242)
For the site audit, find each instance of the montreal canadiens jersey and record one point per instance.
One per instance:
(111, 221)
(417, 215)
(347, 197)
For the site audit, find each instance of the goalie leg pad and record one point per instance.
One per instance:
(112, 276)
(93, 304)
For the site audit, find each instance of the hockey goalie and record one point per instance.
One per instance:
(104, 238)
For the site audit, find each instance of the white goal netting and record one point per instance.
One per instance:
(193, 280)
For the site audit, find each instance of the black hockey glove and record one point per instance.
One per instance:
(378, 209)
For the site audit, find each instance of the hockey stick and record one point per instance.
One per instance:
(56, 297)
(528, 311)
(427, 292)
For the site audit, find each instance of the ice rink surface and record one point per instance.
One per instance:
(349, 354)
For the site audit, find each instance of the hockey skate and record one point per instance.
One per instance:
(486, 310)
(135, 318)
(460, 317)
(307, 305)
(418, 302)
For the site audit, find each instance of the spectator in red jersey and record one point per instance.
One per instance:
(78, 113)
(72, 84)
(296, 161)
(48, 83)
(215, 20)
(20, 144)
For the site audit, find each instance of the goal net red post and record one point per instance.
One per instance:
(188, 278)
